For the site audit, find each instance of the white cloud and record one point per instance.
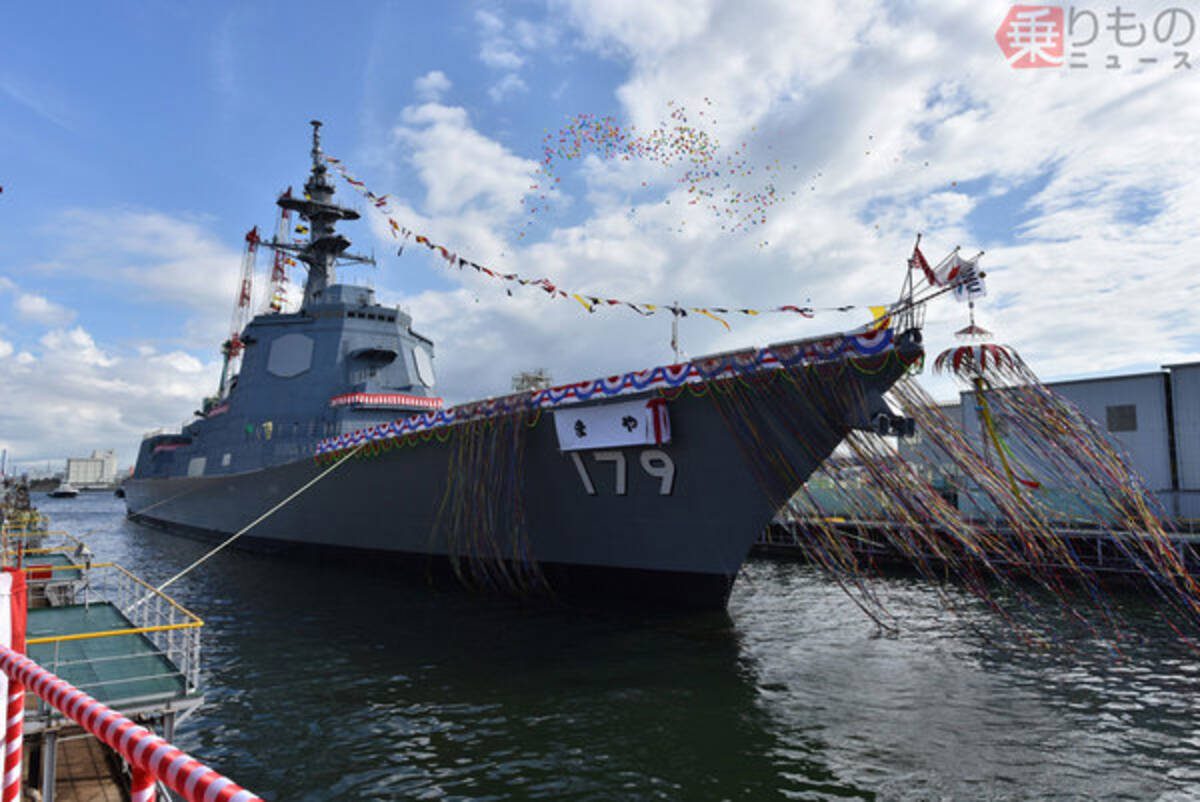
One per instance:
(432, 85)
(75, 345)
(156, 258)
(496, 50)
(40, 310)
(462, 170)
(86, 395)
(506, 46)
(642, 30)
(506, 86)
(68, 391)
(898, 109)
(884, 121)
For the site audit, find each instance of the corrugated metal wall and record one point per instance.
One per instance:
(1185, 387)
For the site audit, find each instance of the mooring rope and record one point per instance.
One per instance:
(254, 523)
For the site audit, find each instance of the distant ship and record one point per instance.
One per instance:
(64, 490)
(651, 485)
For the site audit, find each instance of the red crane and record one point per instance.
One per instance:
(232, 348)
(277, 296)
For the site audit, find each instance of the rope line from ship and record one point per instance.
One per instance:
(229, 540)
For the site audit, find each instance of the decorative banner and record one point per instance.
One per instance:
(386, 401)
(842, 349)
(589, 302)
(632, 423)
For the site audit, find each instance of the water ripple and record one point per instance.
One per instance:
(323, 683)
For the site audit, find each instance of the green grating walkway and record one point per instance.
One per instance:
(116, 669)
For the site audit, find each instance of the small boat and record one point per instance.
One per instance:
(64, 490)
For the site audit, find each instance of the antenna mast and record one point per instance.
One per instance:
(325, 247)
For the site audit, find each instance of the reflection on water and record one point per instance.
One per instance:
(337, 682)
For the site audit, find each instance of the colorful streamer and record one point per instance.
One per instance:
(955, 512)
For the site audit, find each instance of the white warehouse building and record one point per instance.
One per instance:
(1155, 416)
(98, 470)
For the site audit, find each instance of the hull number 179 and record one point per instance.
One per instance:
(655, 462)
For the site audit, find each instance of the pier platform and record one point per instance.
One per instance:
(1095, 548)
(99, 650)
(113, 636)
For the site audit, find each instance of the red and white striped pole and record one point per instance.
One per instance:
(141, 786)
(14, 716)
(141, 748)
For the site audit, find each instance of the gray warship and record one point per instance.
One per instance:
(650, 485)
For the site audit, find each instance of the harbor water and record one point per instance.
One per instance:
(340, 682)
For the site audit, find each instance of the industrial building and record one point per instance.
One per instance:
(1154, 416)
(96, 471)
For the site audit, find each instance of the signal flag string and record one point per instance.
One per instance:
(589, 302)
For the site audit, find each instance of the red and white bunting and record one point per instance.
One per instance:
(388, 400)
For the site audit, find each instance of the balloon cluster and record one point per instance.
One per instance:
(738, 191)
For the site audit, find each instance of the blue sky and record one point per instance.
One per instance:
(143, 140)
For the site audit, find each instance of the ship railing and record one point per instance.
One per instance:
(24, 523)
(17, 544)
(151, 759)
(173, 630)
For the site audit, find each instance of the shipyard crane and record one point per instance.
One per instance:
(276, 298)
(232, 348)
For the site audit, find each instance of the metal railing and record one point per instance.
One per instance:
(171, 628)
(149, 756)
(20, 524)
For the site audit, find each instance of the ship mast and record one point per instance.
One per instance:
(325, 247)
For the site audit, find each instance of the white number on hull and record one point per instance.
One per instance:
(655, 462)
(618, 459)
(659, 464)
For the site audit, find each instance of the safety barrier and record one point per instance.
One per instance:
(144, 751)
(173, 628)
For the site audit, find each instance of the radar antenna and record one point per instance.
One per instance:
(325, 247)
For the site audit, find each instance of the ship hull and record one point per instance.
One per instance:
(671, 522)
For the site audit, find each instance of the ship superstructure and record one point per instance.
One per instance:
(340, 363)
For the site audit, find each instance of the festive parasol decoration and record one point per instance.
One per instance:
(983, 366)
(979, 362)
(972, 332)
